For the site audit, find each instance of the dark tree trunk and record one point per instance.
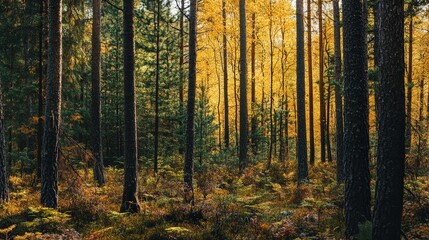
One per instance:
(49, 192)
(234, 69)
(225, 77)
(189, 153)
(338, 94)
(156, 130)
(243, 87)
(328, 119)
(322, 109)
(254, 121)
(356, 139)
(391, 139)
(40, 89)
(272, 132)
(4, 179)
(284, 113)
(310, 82)
(96, 93)
(409, 83)
(181, 72)
(300, 92)
(130, 201)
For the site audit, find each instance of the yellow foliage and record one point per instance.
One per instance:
(7, 230)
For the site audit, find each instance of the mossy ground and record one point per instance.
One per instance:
(256, 205)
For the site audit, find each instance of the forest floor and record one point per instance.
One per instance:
(257, 205)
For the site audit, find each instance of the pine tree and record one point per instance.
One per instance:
(49, 177)
(391, 123)
(130, 201)
(356, 138)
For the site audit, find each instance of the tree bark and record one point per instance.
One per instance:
(243, 87)
(96, 94)
(391, 139)
(49, 192)
(181, 72)
(225, 77)
(300, 92)
(130, 201)
(254, 121)
(356, 136)
(156, 130)
(4, 177)
(338, 94)
(189, 153)
(409, 83)
(40, 128)
(272, 132)
(322, 109)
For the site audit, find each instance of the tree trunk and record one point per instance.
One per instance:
(49, 192)
(338, 94)
(300, 92)
(254, 121)
(272, 133)
(234, 69)
(225, 77)
(284, 113)
(40, 89)
(391, 139)
(130, 201)
(409, 84)
(356, 136)
(156, 130)
(96, 94)
(189, 153)
(322, 109)
(328, 136)
(4, 177)
(310, 82)
(243, 87)
(181, 72)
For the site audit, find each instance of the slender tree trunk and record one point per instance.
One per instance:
(272, 133)
(328, 136)
(391, 139)
(130, 201)
(284, 143)
(49, 192)
(409, 84)
(225, 78)
(234, 69)
(181, 72)
(300, 88)
(156, 130)
(321, 86)
(338, 94)
(243, 87)
(189, 153)
(219, 98)
(4, 177)
(356, 136)
(40, 91)
(422, 143)
(254, 121)
(310, 82)
(96, 93)
(119, 134)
